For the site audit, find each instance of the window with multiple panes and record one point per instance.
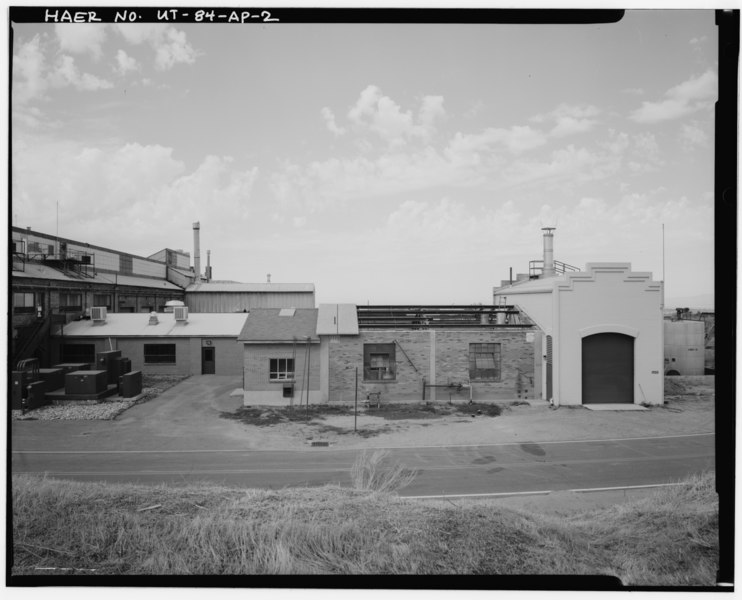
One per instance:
(78, 353)
(379, 362)
(24, 302)
(102, 300)
(484, 362)
(126, 264)
(159, 354)
(70, 302)
(281, 369)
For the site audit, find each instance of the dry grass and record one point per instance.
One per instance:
(667, 539)
(373, 472)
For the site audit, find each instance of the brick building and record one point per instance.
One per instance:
(398, 353)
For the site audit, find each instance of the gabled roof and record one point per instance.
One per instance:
(216, 287)
(267, 325)
(137, 325)
(337, 319)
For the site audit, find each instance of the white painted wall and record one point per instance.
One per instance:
(608, 297)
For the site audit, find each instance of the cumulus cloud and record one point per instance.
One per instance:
(80, 38)
(171, 45)
(65, 73)
(569, 119)
(33, 76)
(29, 70)
(329, 119)
(132, 192)
(125, 63)
(693, 136)
(690, 96)
(378, 114)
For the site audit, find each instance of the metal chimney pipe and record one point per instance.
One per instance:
(208, 266)
(548, 252)
(196, 250)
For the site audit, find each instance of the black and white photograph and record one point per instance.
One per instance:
(318, 297)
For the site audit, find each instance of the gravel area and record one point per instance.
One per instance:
(104, 410)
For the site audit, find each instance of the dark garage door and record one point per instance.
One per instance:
(607, 369)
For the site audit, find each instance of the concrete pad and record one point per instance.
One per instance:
(615, 407)
(238, 392)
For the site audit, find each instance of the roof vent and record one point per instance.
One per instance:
(98, 314)
(286, 312)
(172, 303)
(153, 320)
(181, 313)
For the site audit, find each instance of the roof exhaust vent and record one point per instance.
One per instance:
(181, 313)
(98, 314)
(153, 320)
(170, 304)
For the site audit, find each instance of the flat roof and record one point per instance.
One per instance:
(137, 325)
(216, 287)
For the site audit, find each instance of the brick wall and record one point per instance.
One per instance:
(257, 366)
(413, 353)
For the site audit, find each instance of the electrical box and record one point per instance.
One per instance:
(69, 367)
(106, 361)
(82, 383)
(16, 391)
(36, 394)
(122, 366)
(54, 378)
(130, 384)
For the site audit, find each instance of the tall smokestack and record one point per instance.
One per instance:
(196, 250)
(548, 251)
(208, 265)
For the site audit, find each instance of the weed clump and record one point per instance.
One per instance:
(370, 474)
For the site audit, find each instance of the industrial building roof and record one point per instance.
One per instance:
(269, 325)
(337, 319)
(217, 287)
(137, 325)
(40, 271)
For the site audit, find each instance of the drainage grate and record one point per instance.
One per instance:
(320, 443)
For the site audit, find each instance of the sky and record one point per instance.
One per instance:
(386, 164)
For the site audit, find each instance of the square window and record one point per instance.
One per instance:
(281, 369)
(484, 362)
(379, 362)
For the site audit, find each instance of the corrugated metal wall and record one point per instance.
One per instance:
(221, 302)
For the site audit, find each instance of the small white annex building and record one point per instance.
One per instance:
(603, 329)
(168, 343)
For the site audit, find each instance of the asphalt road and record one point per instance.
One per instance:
(460, 470)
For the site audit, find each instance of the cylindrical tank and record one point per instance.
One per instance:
(548, 251)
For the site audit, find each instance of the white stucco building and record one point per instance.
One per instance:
(603, 332)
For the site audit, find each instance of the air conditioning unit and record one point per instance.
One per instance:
(181, 313)
(98, 313)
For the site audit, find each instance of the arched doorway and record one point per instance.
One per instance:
(608, 369)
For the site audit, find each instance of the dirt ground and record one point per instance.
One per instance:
(688, 409)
